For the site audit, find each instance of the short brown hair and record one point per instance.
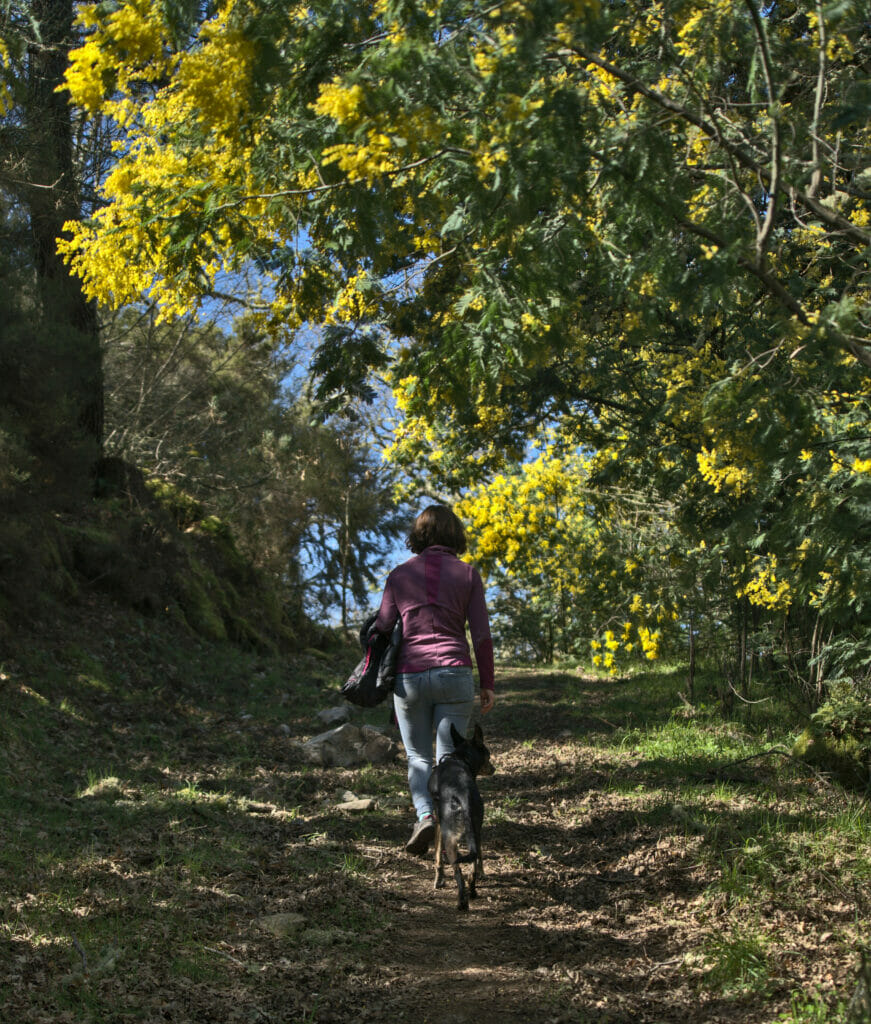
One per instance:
(436, 525)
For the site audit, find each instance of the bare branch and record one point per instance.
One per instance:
(313, 190)
(773, 103)
(817, 175)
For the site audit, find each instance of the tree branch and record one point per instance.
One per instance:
(772, 284)
(823, 213)
(774, 180)
(817, 175)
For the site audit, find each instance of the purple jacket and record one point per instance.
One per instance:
(436, 593)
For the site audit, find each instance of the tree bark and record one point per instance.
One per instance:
(53, 196)
(691, 676)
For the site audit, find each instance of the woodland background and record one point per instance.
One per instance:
(273, 276)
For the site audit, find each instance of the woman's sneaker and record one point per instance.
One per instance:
(422, 836)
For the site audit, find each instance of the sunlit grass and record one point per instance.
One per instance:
(812, 1008)
(766, 830)
(738, 961)
(353, 864)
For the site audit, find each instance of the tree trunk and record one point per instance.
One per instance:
(346, 553)
(691, 677)
(52, 195)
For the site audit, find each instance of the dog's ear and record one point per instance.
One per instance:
(456, 735)
(479, 734)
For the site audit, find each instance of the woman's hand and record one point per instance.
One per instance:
(488, 699)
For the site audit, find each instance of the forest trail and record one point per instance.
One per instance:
(586, 912)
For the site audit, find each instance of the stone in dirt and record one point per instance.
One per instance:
(357, 805)
(348, 746)
(377, 748)
(326, 936)
(282, 925)
(335, 716)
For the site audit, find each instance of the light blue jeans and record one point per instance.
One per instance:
(426, 702)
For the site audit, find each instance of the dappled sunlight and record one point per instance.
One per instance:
(622, 849)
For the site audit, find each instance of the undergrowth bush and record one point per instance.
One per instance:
(838, 738)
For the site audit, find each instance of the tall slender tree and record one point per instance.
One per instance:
(42, 179)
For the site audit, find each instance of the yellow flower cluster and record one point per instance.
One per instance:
(487, 159)
(486, 62)
(388, 142)
(135, 30)
(827, 583)
(5, 91)
(602, 86)
(648, 25)
(542, 501)
(404, 391)
(213, 80)
(536, 529)
(607, 649)
(350, 304)
(117, 254)
(723, 475)
(365, 162)
(707, 27)
(838, 45)
(650, 640)
(765, 589)
(341, 102)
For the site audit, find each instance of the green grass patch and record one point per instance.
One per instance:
(137, 815)
(738, 961)
(813, 1008)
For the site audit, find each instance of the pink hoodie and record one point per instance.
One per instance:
(436, 594)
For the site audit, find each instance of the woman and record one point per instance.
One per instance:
(435, 594)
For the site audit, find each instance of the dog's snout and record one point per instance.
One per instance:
(488, 768)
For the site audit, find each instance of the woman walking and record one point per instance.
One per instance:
(435, 594)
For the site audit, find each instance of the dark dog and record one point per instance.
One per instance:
(459, 810)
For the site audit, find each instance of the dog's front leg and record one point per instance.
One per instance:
(439, 882)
